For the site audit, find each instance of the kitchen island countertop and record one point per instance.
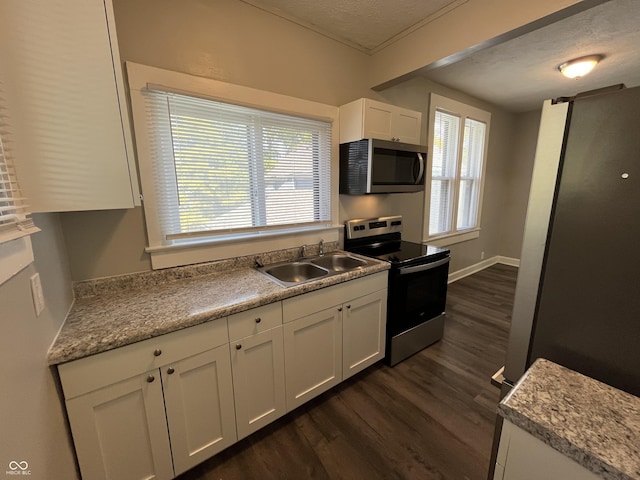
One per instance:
(592, 423)
(118, 312)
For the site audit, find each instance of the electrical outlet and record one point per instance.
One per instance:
(481, 255)
(36, 292)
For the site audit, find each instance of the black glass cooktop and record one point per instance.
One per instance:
(402, 252)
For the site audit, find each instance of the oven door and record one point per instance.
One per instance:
(416, 294)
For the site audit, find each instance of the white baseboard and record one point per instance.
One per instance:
(475, 268)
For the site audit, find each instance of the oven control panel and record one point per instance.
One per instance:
(367, 227)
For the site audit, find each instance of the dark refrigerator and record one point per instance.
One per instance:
(577, 300)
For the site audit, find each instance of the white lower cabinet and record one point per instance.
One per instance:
(313, 353)
(131, 408)
(363, 332)
(156, 408)
(120, 430)
(323, 346)
(200, 409)
(521, 456)
(257, 362)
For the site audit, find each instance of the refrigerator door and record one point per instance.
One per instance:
(588, 315)
(541, 195)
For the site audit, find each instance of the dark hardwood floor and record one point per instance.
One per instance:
(429, 417)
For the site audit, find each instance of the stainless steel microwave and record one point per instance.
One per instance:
(380, 166)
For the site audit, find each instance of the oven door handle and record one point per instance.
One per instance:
(422, 268)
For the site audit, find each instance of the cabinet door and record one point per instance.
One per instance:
(363, 326)
(198, 394)
(120, 431)
(377, 120)
(405, 126)
(523, 457)
(66, 102)
(313, 355)
(257, 363)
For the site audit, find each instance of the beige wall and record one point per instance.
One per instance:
(32, 423)
(235, 42)
(518, 182)
(226, 40)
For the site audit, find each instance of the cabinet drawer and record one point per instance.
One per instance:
(255, 321)
(90, 373)
(312, 302)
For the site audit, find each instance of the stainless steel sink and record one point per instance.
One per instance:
(338, 262)
(295, 272)
(302, 270)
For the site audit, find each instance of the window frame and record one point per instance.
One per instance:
(464, 112)
(140, 78)
(16, 227)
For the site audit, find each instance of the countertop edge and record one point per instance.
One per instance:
(586, 458)
(58, 354)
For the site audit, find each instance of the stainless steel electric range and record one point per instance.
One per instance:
(417, 283)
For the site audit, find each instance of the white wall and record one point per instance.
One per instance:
(32, 422)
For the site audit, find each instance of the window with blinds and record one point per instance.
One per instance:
(14, 220)
(223, 170)
(459, 140)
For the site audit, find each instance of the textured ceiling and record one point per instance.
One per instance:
(517, 74)
(521, 73)
(367, 25)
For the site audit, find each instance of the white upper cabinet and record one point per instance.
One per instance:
(366, 118)
(66, 122)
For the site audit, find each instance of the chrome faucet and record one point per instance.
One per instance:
(321, 247)
(303, 251)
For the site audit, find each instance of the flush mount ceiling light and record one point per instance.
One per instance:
(580, 66)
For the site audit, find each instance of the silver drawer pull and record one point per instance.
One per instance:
(258, 320)
(150, 378)
(170, 370)
(157, 352)
(238, 346)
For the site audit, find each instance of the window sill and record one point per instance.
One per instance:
(451, 239)
(228, 247)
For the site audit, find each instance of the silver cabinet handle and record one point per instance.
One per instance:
(258, 320)
(238, 346)
(339, 309)
(157, 352)
(348, 306)
(150, 378)
(170, 370)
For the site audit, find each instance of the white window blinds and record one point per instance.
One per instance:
(445, 156)
(222, 169)
(458, 136)
(14, 221)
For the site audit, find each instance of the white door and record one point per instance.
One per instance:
(257, 363)
(120, 431)
(198, 394)
(313, 355)
(363, 326)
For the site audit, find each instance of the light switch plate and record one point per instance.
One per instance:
(36, 292)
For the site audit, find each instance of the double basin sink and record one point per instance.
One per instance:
(302, 270)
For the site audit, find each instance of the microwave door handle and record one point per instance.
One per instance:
(421, 171)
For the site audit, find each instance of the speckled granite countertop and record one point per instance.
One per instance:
(594, 424)
(122, 310)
